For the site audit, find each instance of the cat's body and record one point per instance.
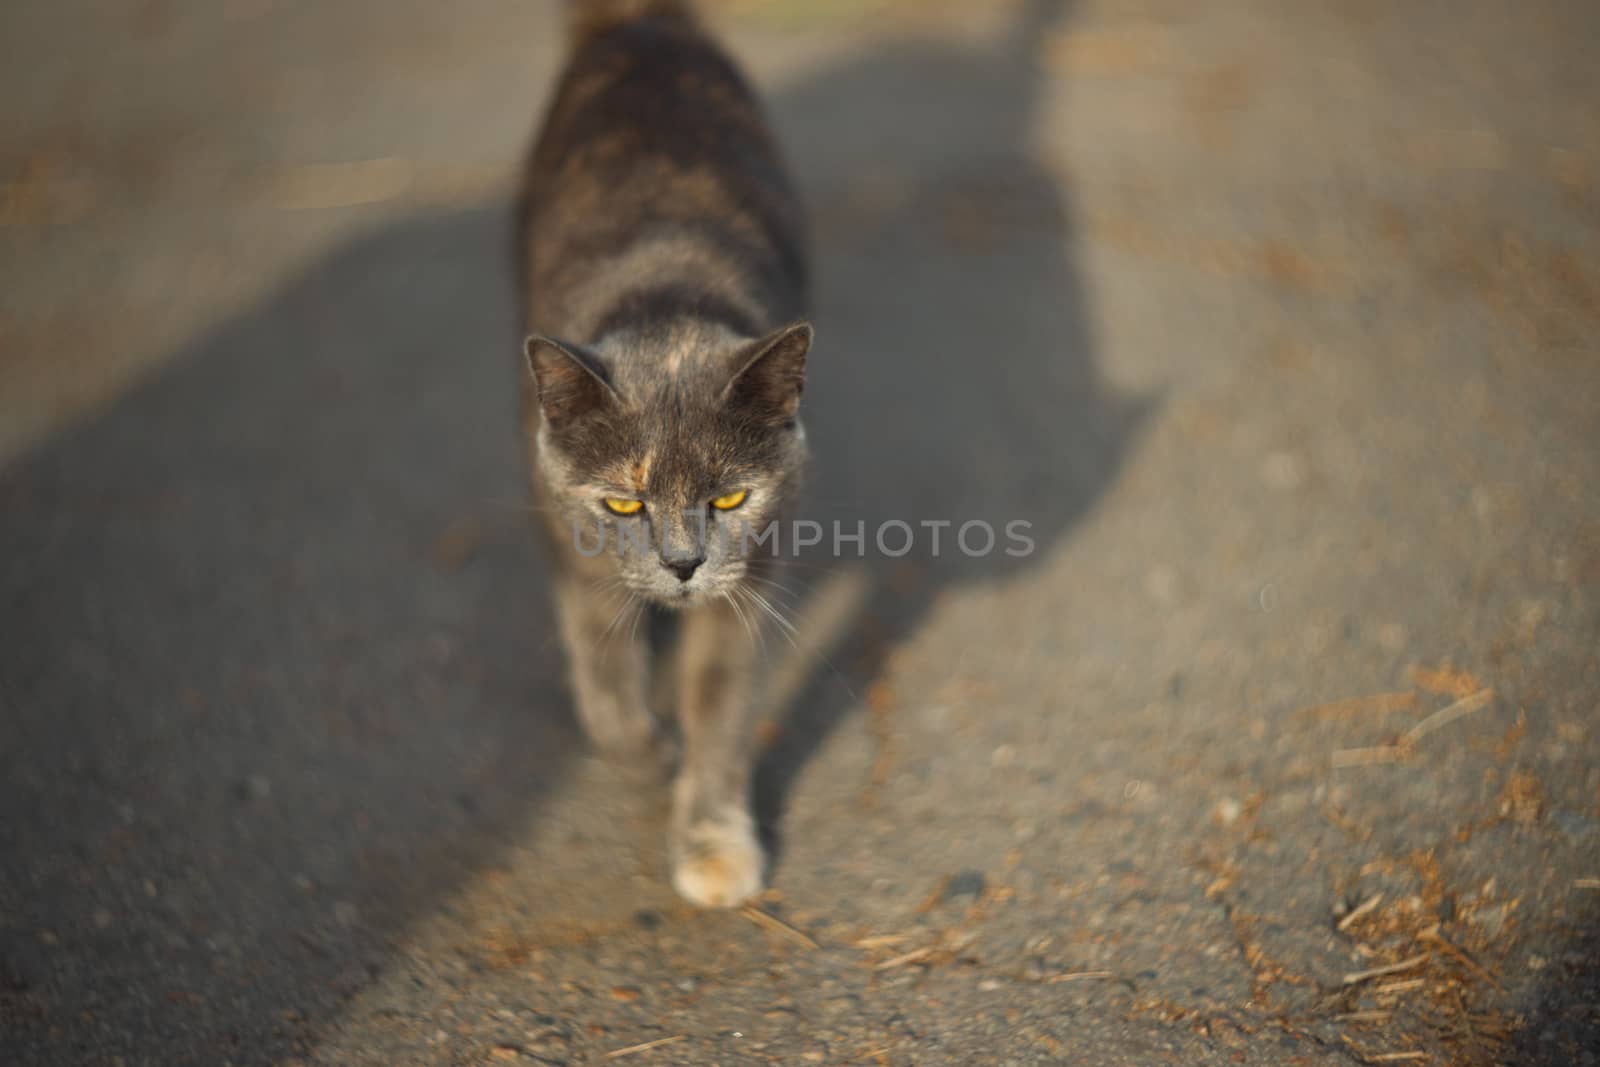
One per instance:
(664, 272)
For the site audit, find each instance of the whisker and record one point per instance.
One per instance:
(638, 613)
(756, 623)
(775, 585)
(728, 596)
(628, 602)
(790, 632)
(787, 628)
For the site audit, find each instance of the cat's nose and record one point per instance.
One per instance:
(683, 568)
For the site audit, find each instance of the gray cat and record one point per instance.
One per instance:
(665, 275)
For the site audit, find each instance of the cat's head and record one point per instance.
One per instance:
(683, 457)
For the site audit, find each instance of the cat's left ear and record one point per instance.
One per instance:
(770, 374)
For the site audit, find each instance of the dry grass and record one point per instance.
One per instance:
(1405, 746)
(644, 1046)
(1365, 908)
(778, 926)
(1355, 977)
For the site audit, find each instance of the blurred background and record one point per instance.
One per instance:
(1278, 321)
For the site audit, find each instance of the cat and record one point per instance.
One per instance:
(665, 275)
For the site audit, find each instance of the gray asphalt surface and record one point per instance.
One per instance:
(1278, 323)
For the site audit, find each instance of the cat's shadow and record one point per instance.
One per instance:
(275, 666)
(954, 378)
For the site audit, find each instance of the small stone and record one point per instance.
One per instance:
(1523, 798)
(967, 883)
(548, 1040)
(505, 1052)
(1491, 921)
(102, 918)
(646, 919)
(846, 1004)
(1228, 810)
(1283, 471)
(1161, 584)
(1482, 503)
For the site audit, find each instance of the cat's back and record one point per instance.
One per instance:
(655, 181)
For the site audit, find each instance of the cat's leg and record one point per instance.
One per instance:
(717, 860)
(608, 653)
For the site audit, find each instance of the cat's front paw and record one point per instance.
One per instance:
(717, 862)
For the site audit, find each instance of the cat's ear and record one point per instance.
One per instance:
(572, 382)
(770, 374)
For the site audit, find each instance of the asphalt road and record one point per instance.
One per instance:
(1277, 322)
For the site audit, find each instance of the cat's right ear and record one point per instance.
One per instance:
(572, 383)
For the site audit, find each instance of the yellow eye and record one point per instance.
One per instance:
(729, 501)
(621, 506)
